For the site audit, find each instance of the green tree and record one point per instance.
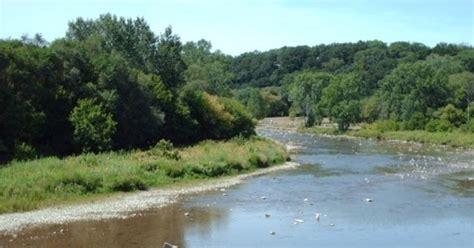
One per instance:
(93, 126)
(169, 63)
(373, 64)
(410, 88)
(340, 100)
(257, 105)
(306, 91)
(467, 59)
(461, 86)
(451, 114)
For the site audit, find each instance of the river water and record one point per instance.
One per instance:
(367, 194)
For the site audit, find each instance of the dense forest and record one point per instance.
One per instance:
(112, 84)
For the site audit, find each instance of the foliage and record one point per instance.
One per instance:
(451, 114)
(93, 126)
(411, 88)
(306, 90)
(386, 125)
(439, 126)
(417, 121)
(142, 79)
(257, 105)
(218, 118)
(48, 181)
(340, 100)
(24, 151)
(165, 149)
(469, 127)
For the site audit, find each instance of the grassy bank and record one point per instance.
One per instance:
(48, 181)
(454, 138)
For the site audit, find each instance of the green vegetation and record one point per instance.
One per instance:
(456, 138)
(112, 84)
(47, 181)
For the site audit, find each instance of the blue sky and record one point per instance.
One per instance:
(236, 26)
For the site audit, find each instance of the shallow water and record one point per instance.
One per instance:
(421, 196)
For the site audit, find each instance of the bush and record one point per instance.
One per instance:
(165, 149)
(77, 183)
(258, 161)
(386, 125)
(218, 118)
(93, 126)
(173, 170)
(24, 151)
(439, 126)
(417, 121)
(451, 114)
(468, 127)
(128, 183)
(242, 122)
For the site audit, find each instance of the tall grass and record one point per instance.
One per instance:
(48, 181)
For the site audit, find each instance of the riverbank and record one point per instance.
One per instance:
(454, 139)
(124, 205)
(52, 181)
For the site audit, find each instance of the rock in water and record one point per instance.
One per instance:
(368, 200)
(168, 245)
(297, 221)
(317, 216)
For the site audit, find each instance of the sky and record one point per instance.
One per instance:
(237, 26)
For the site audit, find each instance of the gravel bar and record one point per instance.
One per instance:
(121, 206)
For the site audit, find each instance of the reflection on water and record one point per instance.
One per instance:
(422, 196)
(144, 229)
(460, 182)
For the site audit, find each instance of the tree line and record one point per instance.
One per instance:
(111, 84)
(402, 85)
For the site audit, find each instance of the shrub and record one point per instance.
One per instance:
(24, 151)
(218, 118)
(439, 126)
(173, 170)
(77, 183)
(242, 122)
(165, 148)
(417, 121)
(451, 114)
(386, 125)
(128, 183)
(468, 127)
(93, 126)
(258, 161)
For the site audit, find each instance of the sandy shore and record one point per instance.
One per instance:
(123, 206)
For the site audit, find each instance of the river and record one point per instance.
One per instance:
(366, 194)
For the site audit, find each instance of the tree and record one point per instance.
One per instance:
(461, 86)
(256, 104)
(410, 88)
(373, 64)
(306, 91)
(93, 126)
(206, 70)
(340, 100)
(132, 38)
(169, 63)
(467, 59)
(450, 114)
